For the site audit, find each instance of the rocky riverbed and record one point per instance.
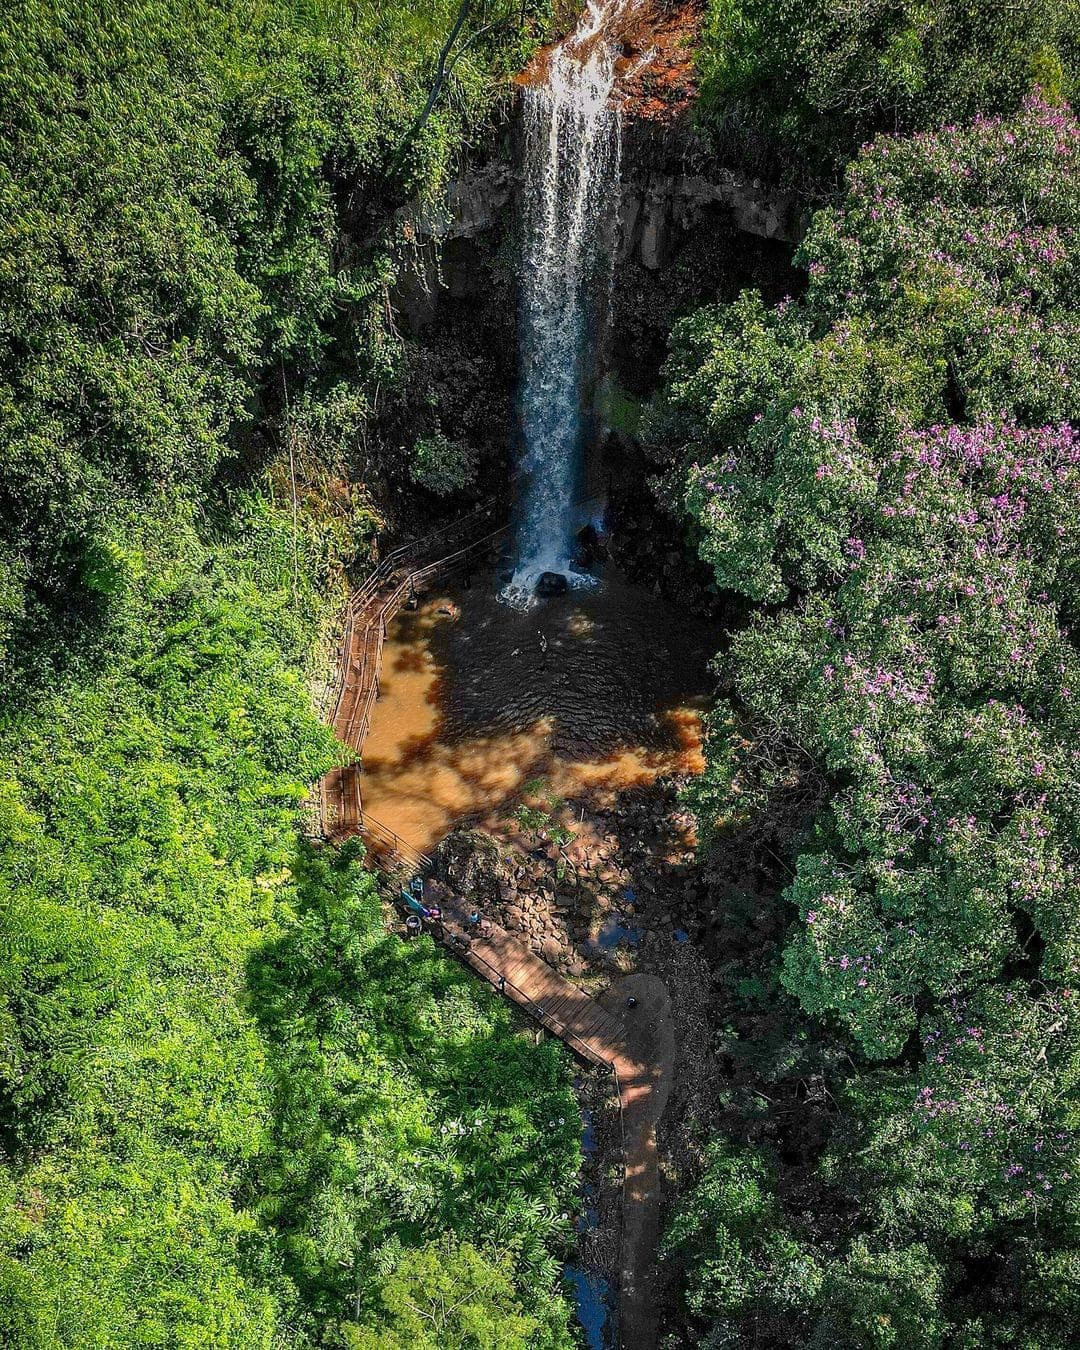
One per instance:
(591, 891)
(604, 895)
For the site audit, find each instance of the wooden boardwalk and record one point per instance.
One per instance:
(559, 1006)
(360, 665)
(400, 576)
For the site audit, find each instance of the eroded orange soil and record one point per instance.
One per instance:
(655, 71)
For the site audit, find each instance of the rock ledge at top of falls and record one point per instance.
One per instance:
(656, 205)
(669, 183)
(657, 79)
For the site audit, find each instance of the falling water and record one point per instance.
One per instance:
(572, 151)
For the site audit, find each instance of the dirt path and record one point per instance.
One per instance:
(645, 1073)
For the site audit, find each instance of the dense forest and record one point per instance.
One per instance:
(885, 469)
(234, 1110)
(225, 1092)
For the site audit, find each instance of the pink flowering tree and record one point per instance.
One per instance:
(887, 474)
(941, 290)
(986, 1129)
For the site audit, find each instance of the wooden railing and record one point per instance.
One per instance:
(376, 580)
(374, 608)
(359, 721)
(385, 840)
(359, 661)
(516, 994)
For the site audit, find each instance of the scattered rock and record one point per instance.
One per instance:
(551, 949)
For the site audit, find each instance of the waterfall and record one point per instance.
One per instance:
(572, 151)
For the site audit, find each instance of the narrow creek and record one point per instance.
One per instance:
(490, 701)
(594, 1297)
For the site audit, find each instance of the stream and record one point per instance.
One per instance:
(599, 689)
(595, 695)
(594, 1297)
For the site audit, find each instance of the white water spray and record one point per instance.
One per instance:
(572, 154)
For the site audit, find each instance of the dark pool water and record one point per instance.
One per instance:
(616, 932)
(592, 1299)
(591, 694)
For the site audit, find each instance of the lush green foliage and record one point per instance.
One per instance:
(731, 1233)
(405, 1106)
(819, 76)
(890, 465)
(225, 1089)
(183, 188)
(150, 805)
(233, 1111)
(442, 466)
(440, 1295)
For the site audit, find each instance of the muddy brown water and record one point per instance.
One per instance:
(594, 692)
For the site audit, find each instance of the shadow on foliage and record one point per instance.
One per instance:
(405, 1103)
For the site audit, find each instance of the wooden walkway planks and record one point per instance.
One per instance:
(527, 980)
(361, 663)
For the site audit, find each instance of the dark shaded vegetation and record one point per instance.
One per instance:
(200, 241)
(801, 83)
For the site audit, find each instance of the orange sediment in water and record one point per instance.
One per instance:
(478, 701)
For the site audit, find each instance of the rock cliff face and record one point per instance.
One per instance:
(698, 227)
(670, 180)
(692, 230)
(658, 208)
(454, 304)
(451, 249)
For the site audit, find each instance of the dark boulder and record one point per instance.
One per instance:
(591, 548)
(551, 584)
(468, 861)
